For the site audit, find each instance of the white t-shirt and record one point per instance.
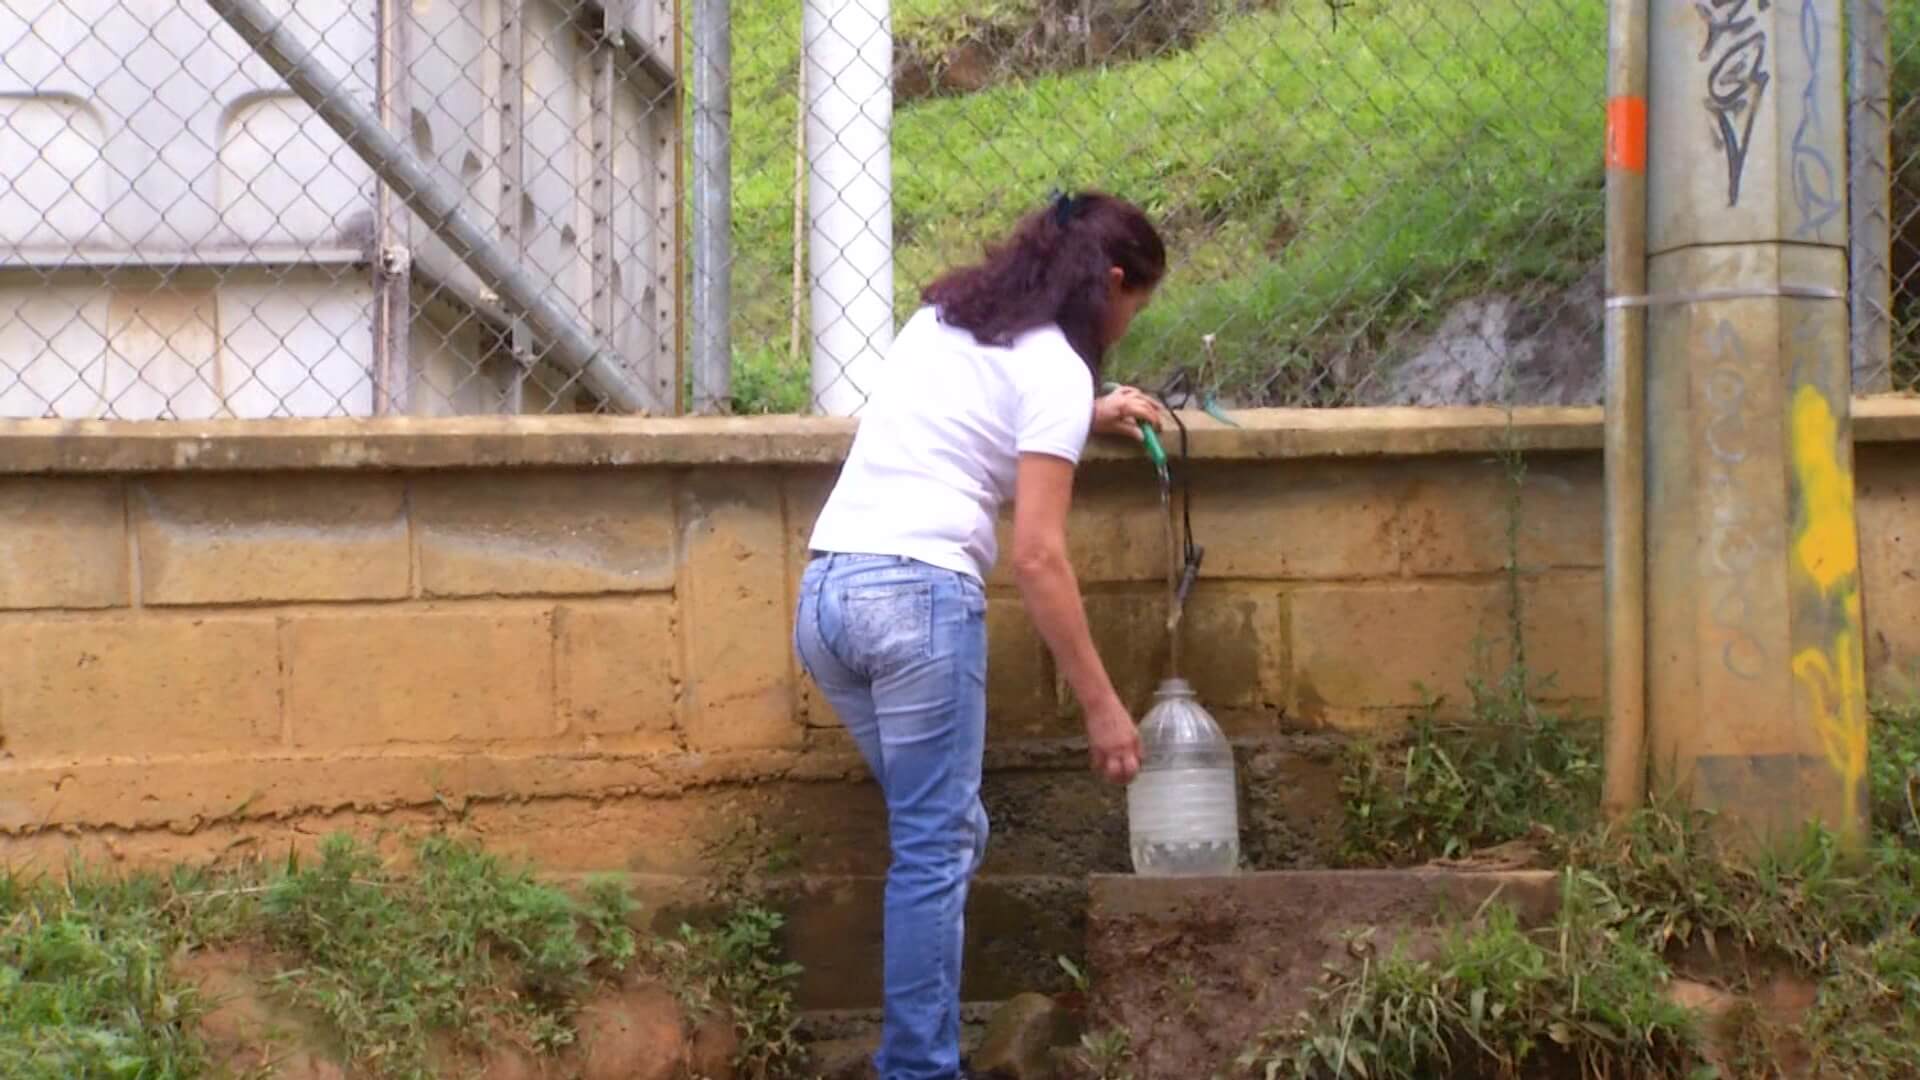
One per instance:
(940, 438)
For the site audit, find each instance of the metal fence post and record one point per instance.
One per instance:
(712, 204)
(1625, 343)
(849, 55)
(393, 250)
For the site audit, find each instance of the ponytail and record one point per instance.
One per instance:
(1054, 270)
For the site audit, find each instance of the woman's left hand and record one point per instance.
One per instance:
(1122, 411)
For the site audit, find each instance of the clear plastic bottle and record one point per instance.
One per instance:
(1183, 816)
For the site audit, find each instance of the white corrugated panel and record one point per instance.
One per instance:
(181, 237)
(162, 180)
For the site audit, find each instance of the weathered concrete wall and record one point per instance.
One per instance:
(570, 637)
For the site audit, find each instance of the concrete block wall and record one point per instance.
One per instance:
(569, 637)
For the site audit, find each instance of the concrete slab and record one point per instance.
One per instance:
(1194, 968)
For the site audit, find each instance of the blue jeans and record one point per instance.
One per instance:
(900, 650)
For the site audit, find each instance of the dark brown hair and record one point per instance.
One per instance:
(1054, 269)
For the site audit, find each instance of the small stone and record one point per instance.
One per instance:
(1020, 1038)
(1711, 1002)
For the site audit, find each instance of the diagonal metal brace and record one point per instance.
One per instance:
(569, 347)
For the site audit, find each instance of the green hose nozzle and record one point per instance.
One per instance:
(1155, 451)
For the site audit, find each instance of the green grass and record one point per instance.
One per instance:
(392, 957)
(1495, 1000)
(1588, 993)
(735, 968)
(1658, 896)
(1447, 791)
(1324, 189)
(454, 948)
(1865, 1023)
(85, 984)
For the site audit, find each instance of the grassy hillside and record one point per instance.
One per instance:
(1325, 188)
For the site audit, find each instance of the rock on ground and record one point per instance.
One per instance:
(1020, 1039)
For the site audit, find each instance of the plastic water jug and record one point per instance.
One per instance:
(1182, 813)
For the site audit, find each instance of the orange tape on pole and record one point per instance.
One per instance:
(1627, 134)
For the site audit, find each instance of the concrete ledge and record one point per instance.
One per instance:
(1886, 419)
(1194, 968)
(61, 446)
(86, 446)
(186, 794)
(57, 446)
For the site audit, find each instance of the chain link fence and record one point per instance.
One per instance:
(1900, 277)
(252, 208)
(1366, 202)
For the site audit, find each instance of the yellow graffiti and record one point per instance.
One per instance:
(1828, 547)
(1827, 550)
(1839, 714)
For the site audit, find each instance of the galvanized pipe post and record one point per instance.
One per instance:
(848, 46)
(439, 207)
(1626, 419)
(393, 243)
(1755, 673)
(510, 106)
(1869, 158)
(608, 310)
(712, 205)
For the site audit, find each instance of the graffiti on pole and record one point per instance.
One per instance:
(1736, 58)
(1816, 190)
(1824, 569)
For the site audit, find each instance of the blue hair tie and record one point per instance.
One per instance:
(1063, 207)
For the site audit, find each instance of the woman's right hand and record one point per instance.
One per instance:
(1113, 742)
(1124, 410)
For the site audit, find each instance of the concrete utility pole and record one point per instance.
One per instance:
(1756, 690)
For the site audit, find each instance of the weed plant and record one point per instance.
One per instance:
(1660, 895)
(456, 947)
